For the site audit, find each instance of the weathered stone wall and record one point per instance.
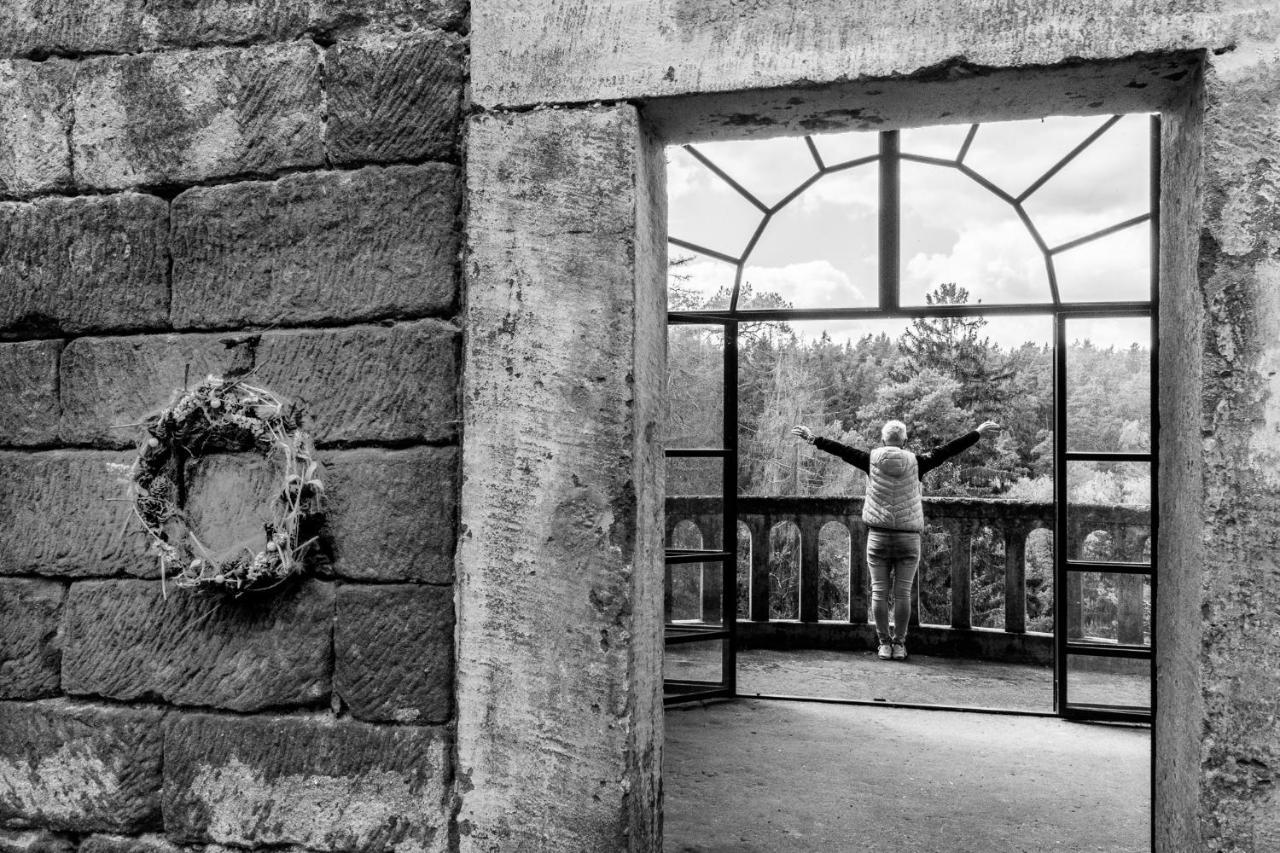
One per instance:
(193, 188)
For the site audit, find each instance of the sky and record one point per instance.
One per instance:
(820, 250)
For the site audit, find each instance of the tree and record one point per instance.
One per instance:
(953, 346)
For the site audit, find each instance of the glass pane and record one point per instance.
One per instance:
(695, 497)
(819, 374)
(702, 661)
(837, 148)
(696, 282)
(1106, 184)
(694, 593)
(704, 210)
(844, 379)
(1014, 154)
(1108, 511)
(1123, 682)
(1114, 268)
(956, 232)
(943, 141)
(1109, 608)
(767, 168)
(820, 251)
(1109, 385)
(695, 388)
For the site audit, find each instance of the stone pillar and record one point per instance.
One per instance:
(961, 573)
(810, 570)
(1015, 577)
(760, 526)
(560, 562)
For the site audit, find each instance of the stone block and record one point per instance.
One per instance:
(30, 637)
(371, 383)
(316, 782)
(185, 116)
(64, 513)
(229, 499)
(125, 640)
(337, 16)
(37, 28)
(93, 263)
(29, 394)
(393, 652)
(79, 767)
(35, 117)
(318, 247)
(392, 515)
(109, 383)
(151, 843)
(34, 841)
(394, 96)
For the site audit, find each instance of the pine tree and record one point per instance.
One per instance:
(953, 346)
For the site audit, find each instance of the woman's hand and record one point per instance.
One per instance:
(989, 428)
(803, 432)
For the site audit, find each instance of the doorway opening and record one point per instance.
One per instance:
(942, 276)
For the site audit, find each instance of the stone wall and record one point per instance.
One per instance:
(193, 188)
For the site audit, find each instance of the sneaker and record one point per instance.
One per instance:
(898, 651)
(884, 652)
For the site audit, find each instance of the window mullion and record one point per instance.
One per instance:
(890, 214)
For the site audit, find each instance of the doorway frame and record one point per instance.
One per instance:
(1078, 87)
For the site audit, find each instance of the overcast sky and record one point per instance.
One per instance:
(820, 251)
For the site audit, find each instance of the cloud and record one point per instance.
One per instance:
(768, 168)
(996, 263)
(809, 284)
(685, 176)
(702, 277)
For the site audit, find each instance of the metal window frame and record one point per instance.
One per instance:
(888, 159)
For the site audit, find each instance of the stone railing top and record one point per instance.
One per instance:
(939, 507)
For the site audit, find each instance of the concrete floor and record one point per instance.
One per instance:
(767, 776)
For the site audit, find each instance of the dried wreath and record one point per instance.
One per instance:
(225, 415)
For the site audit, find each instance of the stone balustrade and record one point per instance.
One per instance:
(965, 528)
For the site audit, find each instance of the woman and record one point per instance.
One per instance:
(894, 516)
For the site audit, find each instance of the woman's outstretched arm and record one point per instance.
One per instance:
(856, 457)
(934, 458)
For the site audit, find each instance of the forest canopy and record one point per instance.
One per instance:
(942, 376)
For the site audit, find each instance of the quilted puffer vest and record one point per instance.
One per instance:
(893, 491)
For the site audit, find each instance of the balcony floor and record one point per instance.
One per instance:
(757, 776)
(921, 680)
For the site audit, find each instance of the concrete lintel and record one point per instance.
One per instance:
(953, 94)
(574, 51)
(560, 560)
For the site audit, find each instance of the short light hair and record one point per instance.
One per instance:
(893, 430)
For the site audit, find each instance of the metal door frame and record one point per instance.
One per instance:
(889, 305)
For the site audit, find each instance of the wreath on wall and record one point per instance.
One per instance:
(225, 415)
